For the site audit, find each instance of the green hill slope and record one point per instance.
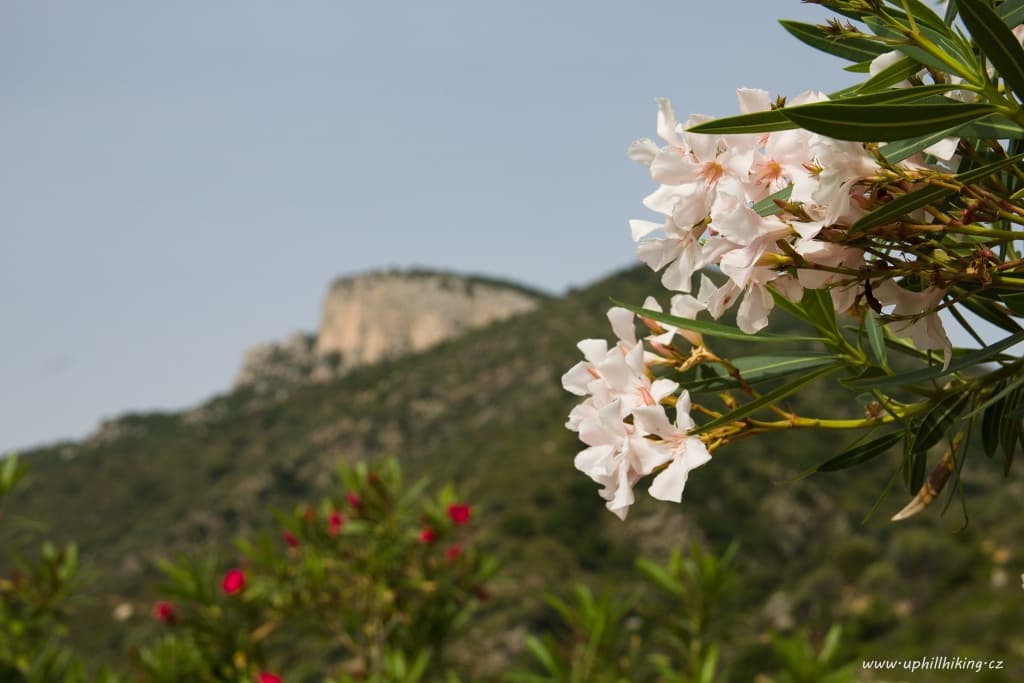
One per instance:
(487, 411)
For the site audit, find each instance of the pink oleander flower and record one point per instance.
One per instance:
(334, 523)
(354, 500)
(268, 677)
(165, 611)
(289, 538)
(233, 581)
(459, 513)
(427, 535)
(922, 323)
(686, 452)
(618, 455)
(452, 552)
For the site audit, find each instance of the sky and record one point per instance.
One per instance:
(179, 181)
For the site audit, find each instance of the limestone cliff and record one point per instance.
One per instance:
(372, 317)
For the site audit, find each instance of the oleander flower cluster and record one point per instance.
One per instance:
(708, 188)
(624, 422)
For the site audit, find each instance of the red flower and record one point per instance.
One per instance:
(452, 552)
(428, 535)
(234, 581)
(459, 512)
(354, 500)
(267, 677)
(289, 539)
(164, 611)
(334, 523)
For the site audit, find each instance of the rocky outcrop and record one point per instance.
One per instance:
(373, 317)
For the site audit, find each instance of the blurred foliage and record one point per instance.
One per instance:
(372, 583)
(486, 411)
(34, 604)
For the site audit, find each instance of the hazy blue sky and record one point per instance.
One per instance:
(182, 179)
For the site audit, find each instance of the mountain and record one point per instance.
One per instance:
(382, 315)
(486, 410)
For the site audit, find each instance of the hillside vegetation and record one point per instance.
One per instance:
(487, 411)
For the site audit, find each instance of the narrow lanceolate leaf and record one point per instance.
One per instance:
(950, 14)
(996, 41)
(991, 421)
(768, 207)
(762, 368)
(994, 126)
(889, 76)
(876, 338)
(930, 194)
(776, 119)
(758, 122)
(926, 374)
(987, 311)
(939, 419)
(1014, 301)
(896, 95)
(861, 454)
(1012, 12)
(957, 55)
(883, 122)
(713, 329)
(1006, 392)
(1010, 432)
(768, 399)
(923, 14)
(820, 311)
(895, 152)
(853, 49)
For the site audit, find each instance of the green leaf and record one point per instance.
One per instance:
(859, 67)
(707, 669)
(713, 329)
(1006, 392)
(779, 119)
(820, 312)
(994, 126)
(876, 338)
(659, 576)
(543, 654)
(757, 122)
(894, 95)
(767, 399)
(950, 12)
(883, 122)
(888, 77)
(997, 42)
(930, 194)
(852, 49)
(926, 374)
(1014, 301)
(924, 14)
(768, 207)
(1012, 12)
(987, 311)
(964, 63)
(990, 423)
(1010, 430)
(762, 368)
(895, 152)
(938, 420)
(860, 454)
